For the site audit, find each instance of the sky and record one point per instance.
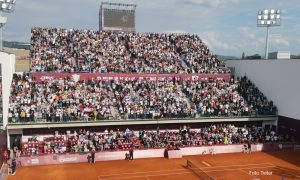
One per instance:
(228, 27)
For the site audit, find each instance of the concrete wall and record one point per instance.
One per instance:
(279, 80)
(3, 144)
(7, 62)
(146, 153)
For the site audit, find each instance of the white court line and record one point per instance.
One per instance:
(255, 178)
(148, 175)
(257, 167)
(237, 168)
(213, 167)
(206, 163)
(146, 172)
(238, 165)
(291, 173)
(179, 173)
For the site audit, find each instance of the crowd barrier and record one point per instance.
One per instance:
(146, 153)
(174, 154)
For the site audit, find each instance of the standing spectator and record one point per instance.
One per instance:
(131, 153)
(249, 146)
(89, 158)
(13, 166)
(5, 156)
(93, 155)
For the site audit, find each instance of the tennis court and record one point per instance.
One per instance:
(258, 165)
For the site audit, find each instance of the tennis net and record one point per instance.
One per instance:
(199, 172)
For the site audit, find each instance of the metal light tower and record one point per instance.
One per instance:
(268, 18)
(6, 6)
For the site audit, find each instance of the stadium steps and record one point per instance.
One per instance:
(187, 102)
(115, 113)
(183, 62)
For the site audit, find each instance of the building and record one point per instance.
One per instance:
(280, 55)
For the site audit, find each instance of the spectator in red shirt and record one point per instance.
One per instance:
(5, 156)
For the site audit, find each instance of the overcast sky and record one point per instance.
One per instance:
(227, 26)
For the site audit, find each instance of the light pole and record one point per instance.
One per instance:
(268, 18)
(6, 6)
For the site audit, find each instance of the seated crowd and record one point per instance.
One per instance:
(146, 99)
(68, 100)
(62, 50)
(58, 100)
(216, 97)
(83, 141)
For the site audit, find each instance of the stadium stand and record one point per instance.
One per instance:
(82, 141)
(62, 50)
(63, 98)
(68, 100)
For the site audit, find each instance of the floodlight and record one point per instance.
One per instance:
(265, 17)
(268, 18)
(6, 6)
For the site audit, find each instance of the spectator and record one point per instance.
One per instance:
(131, 153)
(93, 155)
(86, 141)
(13, 166)
(5, 156)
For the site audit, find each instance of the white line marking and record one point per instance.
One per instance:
(238, 165)
(182, 173)
(257, 167)
(255, 178)
(146, 172)
(148, 175)
(149, 172)
(236, 169)
(206, 164)
(291, 173)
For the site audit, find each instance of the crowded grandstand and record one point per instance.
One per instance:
(69, 99)
(95, 93)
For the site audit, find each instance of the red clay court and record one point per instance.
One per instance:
(257, 165)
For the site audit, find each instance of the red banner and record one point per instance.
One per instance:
(45, 76)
